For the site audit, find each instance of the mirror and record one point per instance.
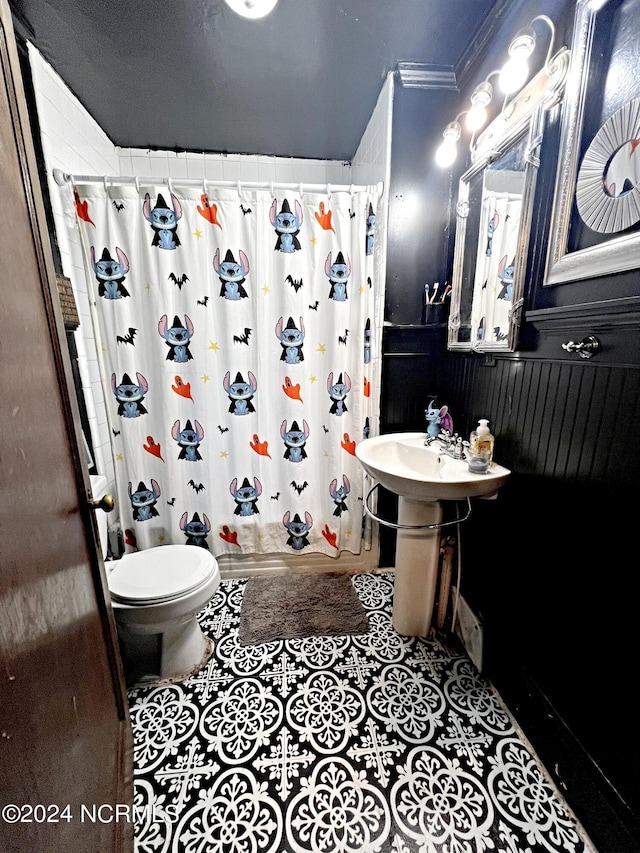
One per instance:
(495, 206)
(492, 237)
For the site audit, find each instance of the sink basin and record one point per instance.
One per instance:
(402, 464)
(422, 477)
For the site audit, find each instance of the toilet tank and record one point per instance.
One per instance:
(99, 490)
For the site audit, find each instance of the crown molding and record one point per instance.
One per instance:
(418, 75)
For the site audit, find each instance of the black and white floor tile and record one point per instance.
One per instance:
(374, 742)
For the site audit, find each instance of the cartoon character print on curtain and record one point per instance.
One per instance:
(235, 333)
(495, 266)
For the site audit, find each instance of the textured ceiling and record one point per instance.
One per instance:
(191, 74)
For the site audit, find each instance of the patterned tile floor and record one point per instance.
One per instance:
(374, 742)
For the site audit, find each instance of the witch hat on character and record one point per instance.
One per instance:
(295, 427)
(188, 426)
(126, 379)
(176, 323)
(285, 207)
(291, 324)
(228, 258)
(245, 484)
(160, 202)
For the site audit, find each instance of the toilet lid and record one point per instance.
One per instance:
(160, 574)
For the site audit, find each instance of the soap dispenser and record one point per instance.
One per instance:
(480, 448)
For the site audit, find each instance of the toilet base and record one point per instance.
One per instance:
(173, 655)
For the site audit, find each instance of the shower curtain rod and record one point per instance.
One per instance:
(61, 178)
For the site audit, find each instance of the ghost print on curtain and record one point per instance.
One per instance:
(235, 331)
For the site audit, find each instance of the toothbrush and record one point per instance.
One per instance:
(445, 293)
(436, 285)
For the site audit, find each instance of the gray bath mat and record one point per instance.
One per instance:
(288, 606)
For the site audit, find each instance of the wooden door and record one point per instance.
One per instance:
(65, 735)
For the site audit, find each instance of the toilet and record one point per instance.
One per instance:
(156, 595)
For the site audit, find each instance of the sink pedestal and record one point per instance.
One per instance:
(416, 571)
(422, 476)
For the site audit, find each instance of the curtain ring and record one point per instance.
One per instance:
(204, 186)
(137, 184)
(170, 186)
(273, 195)
(105, 183)
(329, 191)
(238, 187)
(301, 190)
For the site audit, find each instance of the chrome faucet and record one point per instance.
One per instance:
(452, 444)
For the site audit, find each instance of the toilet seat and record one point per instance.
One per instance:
(160, 575)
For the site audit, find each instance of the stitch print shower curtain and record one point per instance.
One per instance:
(493, 286)
(235, 333)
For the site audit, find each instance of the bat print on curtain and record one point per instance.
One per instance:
(235, 333)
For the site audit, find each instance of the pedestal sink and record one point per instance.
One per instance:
(422, 477)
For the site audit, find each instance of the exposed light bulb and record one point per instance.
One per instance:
(516, 70)
(448, 150)
(252, 8)
(513, 75)
(480, 99)
(476, 117)
(446, 154)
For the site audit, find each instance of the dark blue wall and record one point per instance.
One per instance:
(549, 566)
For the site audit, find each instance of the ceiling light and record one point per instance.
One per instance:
(252, 8)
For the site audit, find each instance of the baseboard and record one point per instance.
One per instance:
(610, 824)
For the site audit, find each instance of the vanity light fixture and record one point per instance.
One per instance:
(512, 78)
(251, 8)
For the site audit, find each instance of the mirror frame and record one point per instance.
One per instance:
(616, 254)
(531, 126)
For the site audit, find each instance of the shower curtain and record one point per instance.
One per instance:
(493, 285)
(236, 331)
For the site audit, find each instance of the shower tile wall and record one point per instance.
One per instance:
(230, 167)
(73, 142)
